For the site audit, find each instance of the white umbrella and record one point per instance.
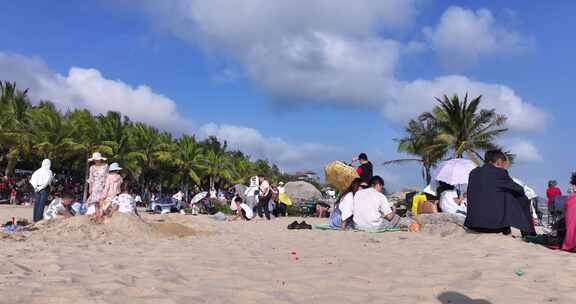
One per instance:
(198, 197)
(530, 193)
(455, 171)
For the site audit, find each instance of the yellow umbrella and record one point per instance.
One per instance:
(340, 175)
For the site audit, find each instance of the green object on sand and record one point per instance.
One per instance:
(519, 272)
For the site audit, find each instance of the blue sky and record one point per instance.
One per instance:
(304, 82)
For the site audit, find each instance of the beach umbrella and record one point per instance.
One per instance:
(302, 192)
(340, 175)
(529, 192)
(198, 197)
(455, 171)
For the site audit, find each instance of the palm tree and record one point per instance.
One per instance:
(422, 142)
(50, 134)
(14, 133)
(464, 128)
(188, 158)
(150, 148)
(218, 168)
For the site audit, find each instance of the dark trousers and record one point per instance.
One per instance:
(280, 210)
(262, 207)
(40, 198)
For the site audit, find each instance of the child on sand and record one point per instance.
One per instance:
(124, 203)
(242, 210)
(112, 187)
(60, 207)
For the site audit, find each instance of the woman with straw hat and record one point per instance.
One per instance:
(96, 183)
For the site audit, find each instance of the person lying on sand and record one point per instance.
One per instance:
(60, 207)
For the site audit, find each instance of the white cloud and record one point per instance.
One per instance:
(416, 96)
(289, 156)
(462, 36)
(524, 150)
(89, 89)
(333, 52)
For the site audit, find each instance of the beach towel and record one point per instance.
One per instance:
(328, 227)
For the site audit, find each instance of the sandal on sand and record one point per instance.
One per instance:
(294, 225)
(304, 225)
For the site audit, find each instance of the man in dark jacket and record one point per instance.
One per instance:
(495, 201)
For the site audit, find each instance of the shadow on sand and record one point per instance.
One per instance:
(451, 297)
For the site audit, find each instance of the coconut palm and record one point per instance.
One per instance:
(14, 133)
(464, 128)
(50, 135)
(218, 168)
(188, 159)
(421, 141)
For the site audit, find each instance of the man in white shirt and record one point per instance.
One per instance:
(372, 211)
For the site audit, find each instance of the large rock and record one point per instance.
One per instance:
(301, 192)
(443, 224)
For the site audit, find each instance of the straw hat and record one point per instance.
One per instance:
(96, 156)
(340, 175)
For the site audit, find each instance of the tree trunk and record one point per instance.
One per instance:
(428, 175)
(86, 176)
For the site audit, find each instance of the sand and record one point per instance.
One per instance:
(263, 262)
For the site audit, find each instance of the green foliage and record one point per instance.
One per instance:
(454, 128)
(221, 207)
(149, 156)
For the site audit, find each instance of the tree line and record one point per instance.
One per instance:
(30, 133)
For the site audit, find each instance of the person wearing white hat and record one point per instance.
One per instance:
(113, 186)
(40, 181)
(96, 183)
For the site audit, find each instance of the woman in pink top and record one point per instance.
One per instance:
(570, 210)
(113, 186)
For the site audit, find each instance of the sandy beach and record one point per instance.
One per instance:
(263, 262)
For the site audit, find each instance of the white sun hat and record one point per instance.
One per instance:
(114, 167)
(96, 156)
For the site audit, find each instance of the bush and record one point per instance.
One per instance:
(220, 206)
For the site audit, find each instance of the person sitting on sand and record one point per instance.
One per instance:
(570, 217)
(449, 200)
(124, 202)
(495, 201)
(341, 217)
(60, 207)
(242, 210)
(372, 211)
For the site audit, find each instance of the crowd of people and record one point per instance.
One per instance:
(262, 199)
(107, 193)
(493, 202)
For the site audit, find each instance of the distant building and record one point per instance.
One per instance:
(307, 175)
